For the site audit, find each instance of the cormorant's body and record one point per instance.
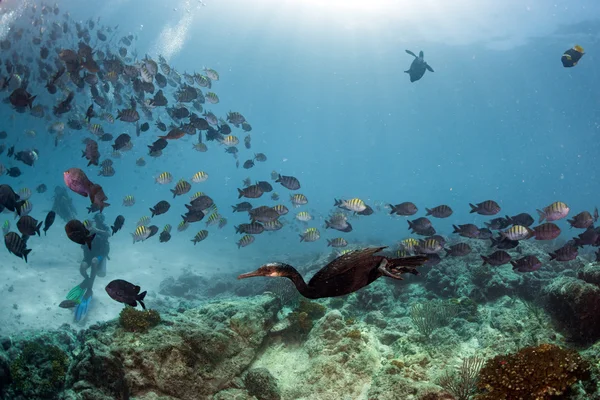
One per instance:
(346, 274)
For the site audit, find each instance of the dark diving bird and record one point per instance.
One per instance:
(418, 67)
(346, 274)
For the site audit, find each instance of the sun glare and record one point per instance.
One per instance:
(352, 5)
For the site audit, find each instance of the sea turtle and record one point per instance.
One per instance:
(418, 67)
(346, 274)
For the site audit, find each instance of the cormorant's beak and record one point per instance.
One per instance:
(250, 274)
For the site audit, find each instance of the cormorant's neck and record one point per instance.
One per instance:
(292, 274)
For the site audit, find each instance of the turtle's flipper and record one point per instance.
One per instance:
(411, 53)
(428, 67)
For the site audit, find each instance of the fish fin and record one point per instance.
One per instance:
(428, 211)
(327, 225)
(473, 208)
(37, 229)
(240, 193)
(328, 243)
(301, 238)
(542, 216)
(25, 252)
(485, 260)
(411, 53)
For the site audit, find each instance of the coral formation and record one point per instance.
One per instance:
(261, 384)
(575, 304)
(431, 315)
(39, 371)
(133, 320)
(301, 320)
(462, 383)
(533, 373)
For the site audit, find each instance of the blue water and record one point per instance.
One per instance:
(323, 87)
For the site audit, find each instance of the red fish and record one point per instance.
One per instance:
(98, 197)
(77, 181)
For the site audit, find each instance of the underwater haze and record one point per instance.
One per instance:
(271, 134)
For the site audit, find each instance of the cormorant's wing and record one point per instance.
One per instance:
(411, 53)
(428, 67)
(343, 264)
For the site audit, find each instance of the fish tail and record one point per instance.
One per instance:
(140, 299)
(542, 215)
(25, 252)
(473, 208)
(37, 229)
(485, 260)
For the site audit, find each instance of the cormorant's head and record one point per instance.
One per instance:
(270, 269)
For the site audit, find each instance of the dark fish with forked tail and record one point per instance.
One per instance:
(125, 292)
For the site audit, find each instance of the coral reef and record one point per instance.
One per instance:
(134, 320)
(388, 341)
(534, 373)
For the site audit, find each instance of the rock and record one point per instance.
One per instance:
(376, 318)
(4, 373)
(233, 394)
(575, 306)
(5, 342)
(590, 273)
(261, 384)
(388, 337)
(198, 355)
